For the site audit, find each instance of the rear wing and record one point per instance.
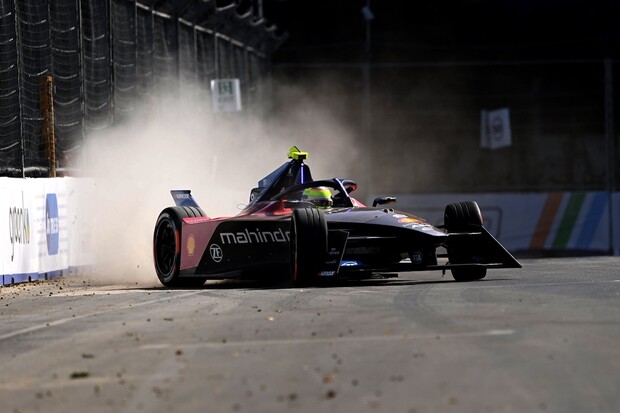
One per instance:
(183, 198)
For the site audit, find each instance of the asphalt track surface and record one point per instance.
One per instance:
(545, 338)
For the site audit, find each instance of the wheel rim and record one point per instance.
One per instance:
(166, 248)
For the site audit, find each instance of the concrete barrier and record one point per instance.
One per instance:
(41, 233)
(44, 233)
(551, 223)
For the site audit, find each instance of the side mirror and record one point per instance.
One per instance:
(254, 193)
(349, 185)
(383, 200)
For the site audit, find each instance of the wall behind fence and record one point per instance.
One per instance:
(420, 122)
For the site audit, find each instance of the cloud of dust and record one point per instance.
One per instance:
(180, 144)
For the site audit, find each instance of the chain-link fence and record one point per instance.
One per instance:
(104, 56)
(11, 147)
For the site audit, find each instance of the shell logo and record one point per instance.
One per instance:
(191, 245)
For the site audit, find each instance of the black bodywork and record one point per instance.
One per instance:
(278, 232)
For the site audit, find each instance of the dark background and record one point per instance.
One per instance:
(433, 66)
(447, 30)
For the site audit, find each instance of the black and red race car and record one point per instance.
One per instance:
(281, 232)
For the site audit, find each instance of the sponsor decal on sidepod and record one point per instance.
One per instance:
(251, 237)
(216, 253)
(191, 245)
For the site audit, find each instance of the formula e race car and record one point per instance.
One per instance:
(284, 231)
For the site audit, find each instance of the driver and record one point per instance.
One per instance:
(319, 196)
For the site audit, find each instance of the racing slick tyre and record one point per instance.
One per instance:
(167, 247)
(463, 217)
(308, 244)
(460, 216)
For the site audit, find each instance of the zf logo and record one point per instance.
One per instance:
(216, 252)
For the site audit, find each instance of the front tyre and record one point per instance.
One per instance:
(463, 217)
(468, 274)
(167, 248)
(308, 244)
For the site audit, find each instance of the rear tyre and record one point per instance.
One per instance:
(167, 247)
(463, 217)
(308, 244)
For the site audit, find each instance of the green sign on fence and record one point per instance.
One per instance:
(226, 95)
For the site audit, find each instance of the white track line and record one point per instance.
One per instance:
(328, 340)
(481, 284)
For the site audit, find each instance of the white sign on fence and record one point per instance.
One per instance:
(495, 130)
(226, 95)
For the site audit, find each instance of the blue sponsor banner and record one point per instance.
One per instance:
(52, 227)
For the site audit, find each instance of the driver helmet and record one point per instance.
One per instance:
(319, 196)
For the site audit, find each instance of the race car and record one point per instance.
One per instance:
(313, 231)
